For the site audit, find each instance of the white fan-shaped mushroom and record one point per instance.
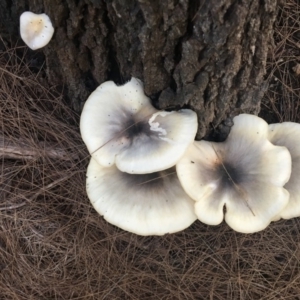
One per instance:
(287, 134)
(148, 204)
(245, 174)
(36, 29)
(119, 125)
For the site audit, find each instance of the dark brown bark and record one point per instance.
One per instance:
(206, 55)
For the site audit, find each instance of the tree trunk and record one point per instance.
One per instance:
(209, 56)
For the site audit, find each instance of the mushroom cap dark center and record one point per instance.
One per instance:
(135, 128)
(229, 174)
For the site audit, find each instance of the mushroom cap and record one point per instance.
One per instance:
(245, 174)
(119, 125)
(36, 29)
(147, 204)
(287, 134)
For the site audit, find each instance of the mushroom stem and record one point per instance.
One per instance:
(21, 149)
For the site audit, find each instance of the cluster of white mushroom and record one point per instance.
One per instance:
(252, 178)
(138, 154)
(131, 178)
(248, 175)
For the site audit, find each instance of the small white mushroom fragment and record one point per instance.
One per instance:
(147, 204)
(36, 29)
(244, 175)
(287, 134)
(119, 125)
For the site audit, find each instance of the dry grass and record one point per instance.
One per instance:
(53, 245)
(282, 101)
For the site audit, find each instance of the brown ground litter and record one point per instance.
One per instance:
(282, 101)
(53, 245)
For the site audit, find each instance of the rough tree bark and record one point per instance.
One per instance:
(206, 55)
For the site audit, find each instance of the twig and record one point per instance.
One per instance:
(21, 149)
(157, 178)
